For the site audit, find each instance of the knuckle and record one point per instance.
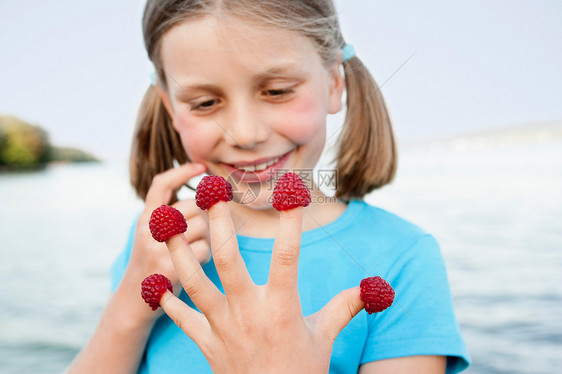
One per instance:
(197, 224)
(200, 245)
(287, 255)
(223, 259)
(202, 251)
(187, 207)
(192, 286)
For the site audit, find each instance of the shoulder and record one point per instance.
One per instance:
(383, 217)
(383, 225)
(375, 241)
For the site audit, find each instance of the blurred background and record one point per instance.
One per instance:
(474, 89)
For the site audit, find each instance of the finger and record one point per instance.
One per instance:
(202, 250)
(198, 238)
(164, 184)
(193, 323)
(335, 315)
(283, 273)
(204, 294)
(189, 208)
(226, 255)
(198, 228)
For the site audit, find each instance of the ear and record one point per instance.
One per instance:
(337, 84)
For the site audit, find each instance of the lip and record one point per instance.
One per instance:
(258, 176)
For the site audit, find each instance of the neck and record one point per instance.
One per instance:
(262, 223)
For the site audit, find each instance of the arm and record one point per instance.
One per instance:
(424, 318)
(119, 340)
(409, 365)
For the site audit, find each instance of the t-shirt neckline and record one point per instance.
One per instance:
(340, 223)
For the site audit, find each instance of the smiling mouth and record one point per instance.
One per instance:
(258, 171)
(258, 167)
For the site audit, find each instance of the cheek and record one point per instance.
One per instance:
(197, 142)
(305, 121)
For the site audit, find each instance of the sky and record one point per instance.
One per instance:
(79, 69)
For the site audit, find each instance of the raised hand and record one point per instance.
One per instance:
(254, 328)
(125, 325)
(149, 256)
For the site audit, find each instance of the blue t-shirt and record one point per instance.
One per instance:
(364, 241)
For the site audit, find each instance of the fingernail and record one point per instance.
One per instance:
(196, 165)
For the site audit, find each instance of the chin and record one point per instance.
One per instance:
(257, 200)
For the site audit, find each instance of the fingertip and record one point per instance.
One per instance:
(194, 168)
(355, 300)
(199, 166)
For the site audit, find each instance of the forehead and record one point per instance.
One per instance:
(209, 44)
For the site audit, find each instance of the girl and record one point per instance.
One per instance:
(243, 90)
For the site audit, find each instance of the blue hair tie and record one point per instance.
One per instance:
(348, 52)
(152, 77)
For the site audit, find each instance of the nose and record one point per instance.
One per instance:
(246, 127)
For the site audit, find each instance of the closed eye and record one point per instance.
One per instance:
(204, 105)
(278, 94)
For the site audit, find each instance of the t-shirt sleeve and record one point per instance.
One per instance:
(421, 321)
(120, 264)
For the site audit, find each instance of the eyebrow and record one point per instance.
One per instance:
(281, 71)
(278, 71)
(185, 90)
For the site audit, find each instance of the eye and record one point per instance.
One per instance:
(205, 105)
(278, 93)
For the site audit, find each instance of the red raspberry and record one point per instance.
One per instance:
(377, 294)
(153, 287)
(165, 222)
(211, 190)
(290, 192)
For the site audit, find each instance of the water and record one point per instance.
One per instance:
(496, 210)
(61, 229)
(497, 213)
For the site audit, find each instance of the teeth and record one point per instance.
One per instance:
(258, 167)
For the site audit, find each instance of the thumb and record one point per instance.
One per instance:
(335, 315)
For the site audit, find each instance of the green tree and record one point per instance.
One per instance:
(22, 146)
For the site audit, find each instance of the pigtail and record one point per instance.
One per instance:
(367, 156)
(155, 146)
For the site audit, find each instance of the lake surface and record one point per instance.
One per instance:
(496, 210)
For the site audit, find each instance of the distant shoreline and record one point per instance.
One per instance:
(516, 134)
(25, 147)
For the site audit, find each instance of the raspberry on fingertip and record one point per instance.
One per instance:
(377, 294)
(153, 287)
(165, 222)
(211, 190)
(290, 192)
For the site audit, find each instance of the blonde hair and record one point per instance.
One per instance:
(366, 158)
